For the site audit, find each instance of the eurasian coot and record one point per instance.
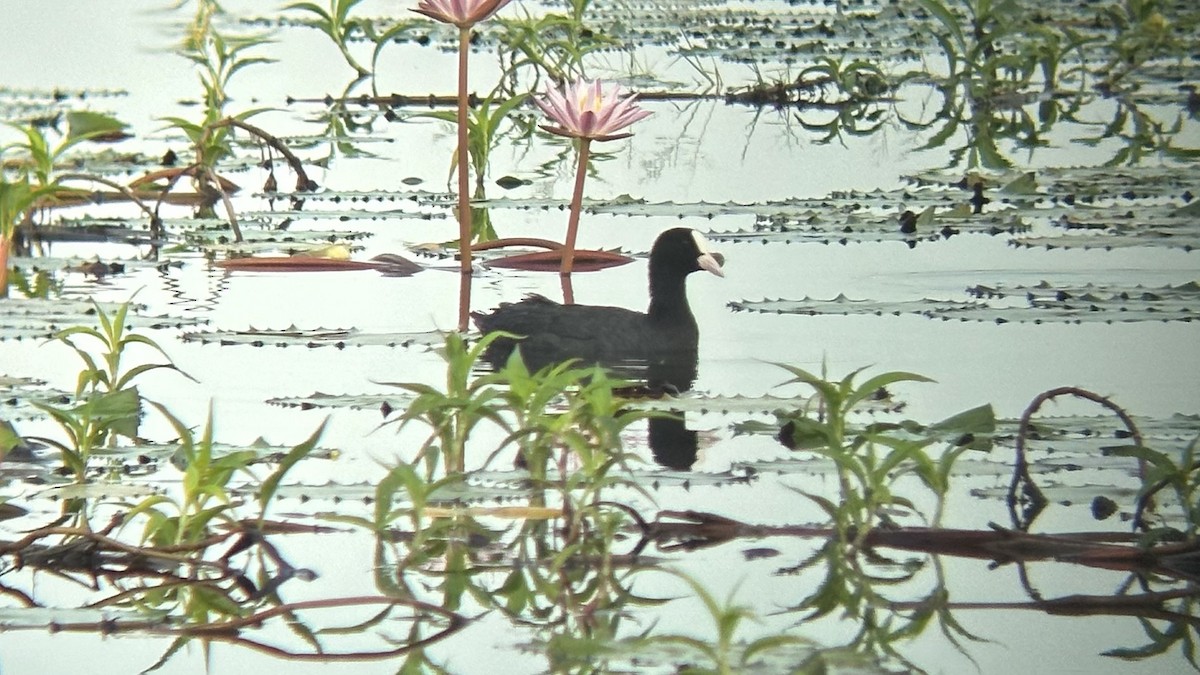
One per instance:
(612, 336)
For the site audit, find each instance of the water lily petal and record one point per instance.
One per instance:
(583, 109)
(587, 124)
(461, 13)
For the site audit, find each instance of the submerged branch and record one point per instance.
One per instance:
(1119, 551)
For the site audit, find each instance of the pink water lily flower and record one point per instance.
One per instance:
(585, 110)
(461, 13)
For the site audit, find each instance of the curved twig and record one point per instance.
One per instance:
(303, 182)
(1021, 465)
(156, 228)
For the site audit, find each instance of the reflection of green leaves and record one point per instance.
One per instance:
(724, 653)
(1179, 631)
(554, 44)
(335, 22)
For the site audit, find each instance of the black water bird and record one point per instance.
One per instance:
(666, 334)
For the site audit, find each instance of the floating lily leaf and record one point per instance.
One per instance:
(315, 337)
(365, 214)
(384, 403)
(1080, 436)
(41, 319)
(456, 492)
(1068, 442)
(841, 305)
(93, 266)
(1077, 185)
(14, 618)
(1047, 303)
(295, 263)
(652, 478)
(101, 490)
(702, 403)
(264, 452)
(364, 197)
(1167, 238)
(18, 396)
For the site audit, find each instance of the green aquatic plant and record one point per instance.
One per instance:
(217, 56)
(567, 425)
(484, 133)
(17, 198)
(41, 159)
(1162, 472)
(871, 458)
(1143, 33)
(107, 402)
(453, 412)
(723, 654)
(204, 497)
(564, 406)
(335, 22)
(30, 175)
(550, 44)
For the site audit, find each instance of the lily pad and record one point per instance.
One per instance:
(41, 319)
(315, 337)
(19, 394)
(384, 403)
(1047, 303)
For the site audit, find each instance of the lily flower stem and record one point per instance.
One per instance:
(464, 194)
(568, 254)
(5, 247)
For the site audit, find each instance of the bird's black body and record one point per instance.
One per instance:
(664, 335)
